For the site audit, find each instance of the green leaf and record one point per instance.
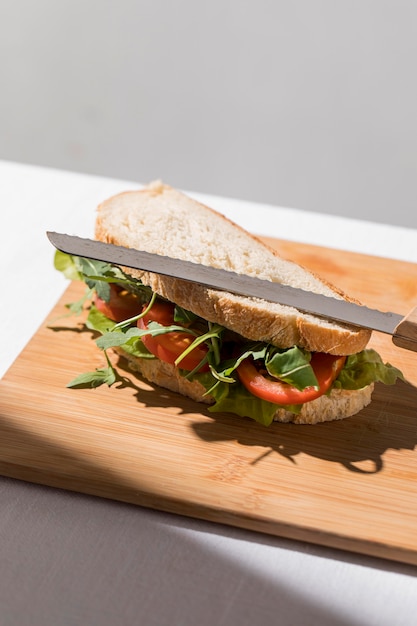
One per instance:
(182, 316)
(365, 368)
(292, 366)
(135, 347)
(236, 399)
(98, 275)
(156, 329)
(90, 380)
(98, 321)
(224, 370)
(92, 271)
(78, 307)
(65, 263)
(214, 333)
(115, 339)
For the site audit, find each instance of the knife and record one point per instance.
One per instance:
(403, 329)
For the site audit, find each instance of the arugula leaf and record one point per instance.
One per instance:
(291, 366)
(182, 316)
(78, 307)
(213, 334)
(92, 271)
(115, 339)
(99, 275)
(90, 380)
(96, 320)
(224, 370)
(154, 329)
(136, 347)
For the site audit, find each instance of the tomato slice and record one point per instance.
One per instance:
(170, 346)
(121, 306)
(326, 368)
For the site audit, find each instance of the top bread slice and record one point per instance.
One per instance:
(162, 220)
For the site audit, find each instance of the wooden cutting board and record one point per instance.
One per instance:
(350, 484)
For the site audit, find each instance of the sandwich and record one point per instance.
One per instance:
(238, 354)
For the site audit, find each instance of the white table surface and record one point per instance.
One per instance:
(70, 559)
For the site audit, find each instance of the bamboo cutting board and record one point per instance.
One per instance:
(350, 484)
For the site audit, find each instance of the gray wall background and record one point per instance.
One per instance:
(308, 104)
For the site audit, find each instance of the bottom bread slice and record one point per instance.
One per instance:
(339, 404)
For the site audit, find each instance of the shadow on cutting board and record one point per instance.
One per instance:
(358, 443)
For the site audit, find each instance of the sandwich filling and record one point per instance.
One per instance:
(251, 379)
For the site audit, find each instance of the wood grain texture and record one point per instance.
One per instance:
(350, 484)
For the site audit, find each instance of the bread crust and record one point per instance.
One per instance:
(123, 220)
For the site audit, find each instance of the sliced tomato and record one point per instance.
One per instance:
(326, 368)
(121, 306)
(169, 346)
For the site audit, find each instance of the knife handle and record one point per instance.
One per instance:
(405, 334)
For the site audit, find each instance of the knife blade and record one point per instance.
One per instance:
(402, 328)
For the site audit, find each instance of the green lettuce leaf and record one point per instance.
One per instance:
(365, 368)
(66, 264)
(234, 398)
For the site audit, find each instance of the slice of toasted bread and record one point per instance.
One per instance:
(161, 220)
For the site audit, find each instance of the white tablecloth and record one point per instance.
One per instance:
(69, 559)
